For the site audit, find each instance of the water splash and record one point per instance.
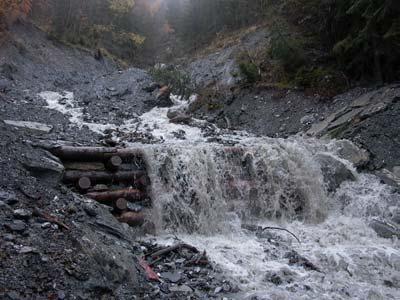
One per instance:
(205, 192)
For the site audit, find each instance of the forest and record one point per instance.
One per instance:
(358, 37)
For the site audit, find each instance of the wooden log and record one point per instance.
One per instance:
(85, 166)
(107, 197)
(71, 153)
(120, 204)
(132, 218)
(84, 183)
(114, 163)
(135, 177)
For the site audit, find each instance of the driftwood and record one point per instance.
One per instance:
(49, 218)
(132, 218)
(93, 153)
(283, 229)
(114, 163)
(120, 204)
(109, 196)
(169, 249)
(103, 177)
(84, 183)
(85, 166)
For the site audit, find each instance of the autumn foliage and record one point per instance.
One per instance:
(10, 10)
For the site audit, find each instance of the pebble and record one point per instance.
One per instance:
(181, 289)
(22, 214)
(26, 249)
(16, 226)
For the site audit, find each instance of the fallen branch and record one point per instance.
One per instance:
(169, 249)
(283, 229)
(49, 218)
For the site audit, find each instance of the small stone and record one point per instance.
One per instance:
(16, 226)
(26, 249)
(217, 290)
(23, 214)
(61, 295)
(9, 198)
(307, 120)
(181, 289)
(90, 210)
(9, 237)
(172, 277)
(46, 225)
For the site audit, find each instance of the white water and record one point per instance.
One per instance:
(204, 192)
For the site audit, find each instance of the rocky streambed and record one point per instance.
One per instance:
(236, 215)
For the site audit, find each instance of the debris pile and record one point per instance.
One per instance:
(111, 176)
(181, 269)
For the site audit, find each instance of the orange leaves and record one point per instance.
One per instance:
(10, 10)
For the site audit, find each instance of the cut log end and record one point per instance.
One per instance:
(114, 163)
(120, 204)
(84, 183)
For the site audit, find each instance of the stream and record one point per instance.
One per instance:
(217, 189)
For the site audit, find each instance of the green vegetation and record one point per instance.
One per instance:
(178, 81)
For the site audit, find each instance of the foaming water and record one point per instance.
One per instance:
(219, 197)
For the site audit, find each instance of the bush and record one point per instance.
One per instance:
(286, 49)
(249, 66)
(179, 82)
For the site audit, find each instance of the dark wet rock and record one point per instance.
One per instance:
(181, 119)
(385, 229)
(349, 151)
(335, 172)
(8, 197)
(44, 167)
(8, 70)
(296, 259)
(16, 226)
(4, 85)
(388, 178)
(23, 214)
(151, 88)
(164, 97)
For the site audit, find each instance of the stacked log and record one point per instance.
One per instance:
(111, 176)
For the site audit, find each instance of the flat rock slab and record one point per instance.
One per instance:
(30, 125)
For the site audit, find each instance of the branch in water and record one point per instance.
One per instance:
(283, 229)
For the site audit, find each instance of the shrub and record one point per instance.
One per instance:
(286, 49)
(179, 82)
(249, 67)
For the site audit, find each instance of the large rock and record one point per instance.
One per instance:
(361, 108)
(357, 156)
(35, 126)
(45, 166)
(334, 171)
(385, 229)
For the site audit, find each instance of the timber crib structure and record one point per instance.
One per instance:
(116, 177)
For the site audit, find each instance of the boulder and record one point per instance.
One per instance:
(334, 171)
(34, 126)
(385, 229)
(45, 166)
(348, 151)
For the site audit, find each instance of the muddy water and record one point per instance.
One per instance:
(218, 198)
